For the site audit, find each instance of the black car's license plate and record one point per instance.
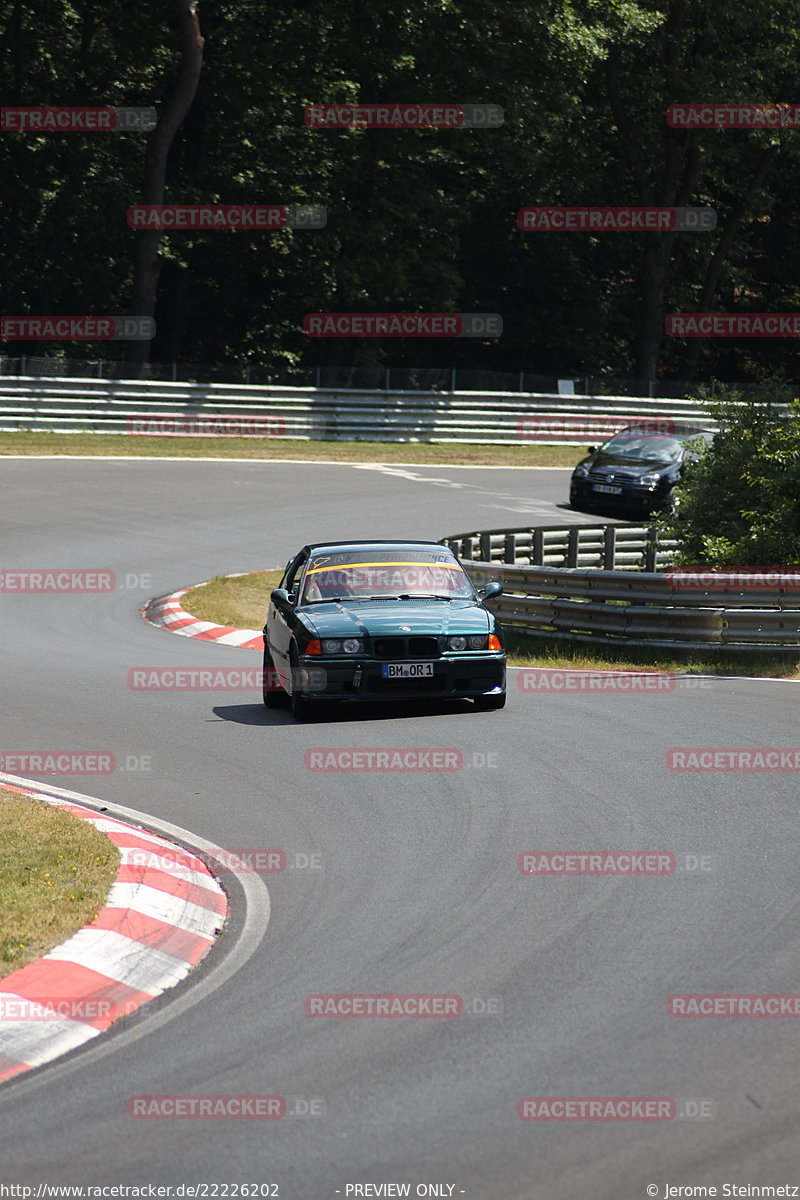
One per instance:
(606, 487)
(410, 670)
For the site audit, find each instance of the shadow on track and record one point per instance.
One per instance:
(328, 714)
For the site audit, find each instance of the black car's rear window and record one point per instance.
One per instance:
(357, 574)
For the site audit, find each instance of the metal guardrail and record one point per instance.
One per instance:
(631, 606)
(608, 547)
(494, 418)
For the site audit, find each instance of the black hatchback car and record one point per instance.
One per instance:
(634, 471)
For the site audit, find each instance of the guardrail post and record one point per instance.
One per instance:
(485, 547)
(100, 368)
(537, 547)
(651, 549)
(572, 546)
(466, 547)
(510, 549)
(609, 547)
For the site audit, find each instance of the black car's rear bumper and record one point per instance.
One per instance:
(463, 676)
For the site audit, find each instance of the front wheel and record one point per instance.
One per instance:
(490, 703)
(274, 695)
(301, 706)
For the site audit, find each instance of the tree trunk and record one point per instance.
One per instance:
(714, 271)
(148, 264)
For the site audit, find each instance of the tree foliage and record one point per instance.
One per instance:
(417, 220)
(740, 502)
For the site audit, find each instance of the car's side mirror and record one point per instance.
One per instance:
(491, 589)
(280, 595)
(592, 450)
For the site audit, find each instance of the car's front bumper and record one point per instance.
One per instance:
(361, 678)
(639, 499)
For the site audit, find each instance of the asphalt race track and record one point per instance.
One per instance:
(417, 890)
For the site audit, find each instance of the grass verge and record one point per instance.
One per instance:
(440, 454)
(242, 602)
(239, 600)
(55, 874)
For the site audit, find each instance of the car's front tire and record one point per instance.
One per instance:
(274, 696)
(490, 703)
(301, 706)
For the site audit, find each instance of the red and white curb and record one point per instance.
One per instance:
(166, 611)
(162, 916)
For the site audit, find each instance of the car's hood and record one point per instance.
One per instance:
(625, 468)
(384, 618)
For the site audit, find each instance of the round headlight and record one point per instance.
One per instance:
(331, 646)
(458, 643)
(477, 643)
(351, 645)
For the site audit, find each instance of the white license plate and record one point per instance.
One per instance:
(606, 487)
(407, 670)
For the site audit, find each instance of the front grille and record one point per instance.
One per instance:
(619, 478)
(400, 647)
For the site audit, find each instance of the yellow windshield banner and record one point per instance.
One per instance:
(348, 566)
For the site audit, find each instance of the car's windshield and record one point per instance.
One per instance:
(382, 574)
(644, 448)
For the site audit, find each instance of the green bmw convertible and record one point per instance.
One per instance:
(381, 621)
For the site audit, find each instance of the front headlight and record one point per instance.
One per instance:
(464, 641)
(581, 471)
(342, 646)
(648, 480)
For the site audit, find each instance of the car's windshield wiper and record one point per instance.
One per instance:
(424, 596)
(341, 599)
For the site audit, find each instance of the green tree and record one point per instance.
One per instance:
(739, 504)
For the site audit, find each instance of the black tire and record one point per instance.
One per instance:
(301, 707)
(273, 698)
(490, 703)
